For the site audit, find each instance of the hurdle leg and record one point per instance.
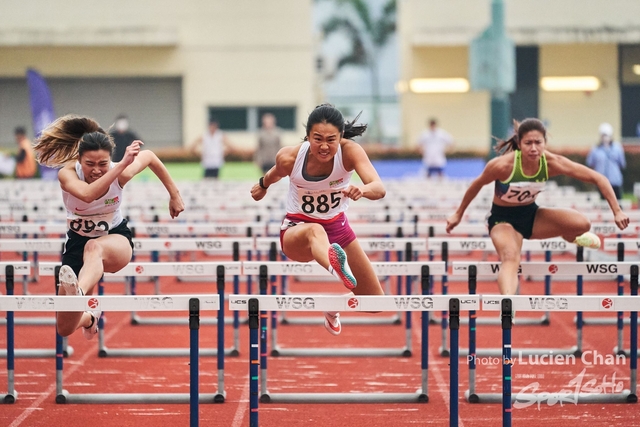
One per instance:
(454, 326)
(471, 395)
(194, 360)
(220, 395)
(254, 361)
(507, 310)
(11, 395)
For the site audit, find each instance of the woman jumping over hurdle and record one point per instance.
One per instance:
(519, 175)
(315, 226)
(98, 238)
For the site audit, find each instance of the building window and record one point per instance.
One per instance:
(229, 118)
(249, 119)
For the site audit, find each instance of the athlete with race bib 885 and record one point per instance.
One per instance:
(315, 226)
(98, 239)
(519, 175)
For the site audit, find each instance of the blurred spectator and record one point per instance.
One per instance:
(26, 166)
(608, 158)
(268, 143)
(435, 143)
(211, 146)
(122, 137)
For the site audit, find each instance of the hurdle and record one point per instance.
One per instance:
(258, 305)
(466, 244)
(570, 303)
(620, 245)
(488, 269)
(405, 247)
(219, 270)
(264, 269)
(194, 304)
(23, 268)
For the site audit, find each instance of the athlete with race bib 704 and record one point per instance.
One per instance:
(315, 226)
(98, 238)
(519, 175)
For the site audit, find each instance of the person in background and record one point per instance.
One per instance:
(122, 136)
(268, 143)
(315, 226)
(608, 159)
(26, 165)
(434, 143)
(212, 147)
(98, 238)
(519, 174)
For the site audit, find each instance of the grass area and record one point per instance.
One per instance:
(231, 171)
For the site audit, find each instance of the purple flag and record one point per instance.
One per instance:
(41, 112)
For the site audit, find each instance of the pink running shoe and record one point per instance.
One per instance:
(332, 323)
(339, 266)
(92, 330)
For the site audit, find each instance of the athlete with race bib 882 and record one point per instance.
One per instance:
(98, 238)
(519, 175)
(315, 226)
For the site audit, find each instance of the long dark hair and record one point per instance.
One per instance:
(520, 130)
(327, 113)
(68, 137)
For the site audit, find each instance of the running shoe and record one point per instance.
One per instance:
(69, 281)
(92, 330)
(339, 266)
(588, 240)
(332, 323)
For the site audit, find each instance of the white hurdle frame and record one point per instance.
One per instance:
(403, 246)
(191, 303)
(551, 303)
(340, 303)
(485, 244)
(218, 269)
(578, 303)
(265, 269)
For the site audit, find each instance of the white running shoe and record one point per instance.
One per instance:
(69, 281)
(339, 266)
(588, 240)
(92, 330)
(332, 323)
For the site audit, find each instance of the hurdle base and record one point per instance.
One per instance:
(137, 320)
(34, 321)
(33, 353)
(10, 398)
(161, 352)
(417, 397)
(341, 352)
(604, 321)
(537, 398)
(622, 352)
(123, 398)
(544, 320)
(497, 352)
(394, 320)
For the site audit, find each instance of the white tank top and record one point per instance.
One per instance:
(212, 150)
(317, 197)
(94, 219)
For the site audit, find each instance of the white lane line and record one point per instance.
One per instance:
(36, 404)
(242, 407)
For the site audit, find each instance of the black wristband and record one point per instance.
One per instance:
(261, 183)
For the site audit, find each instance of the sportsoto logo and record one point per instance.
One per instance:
(353, 303)
(93, 303)
(139, 269)
(607, 303)
(553, 269)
